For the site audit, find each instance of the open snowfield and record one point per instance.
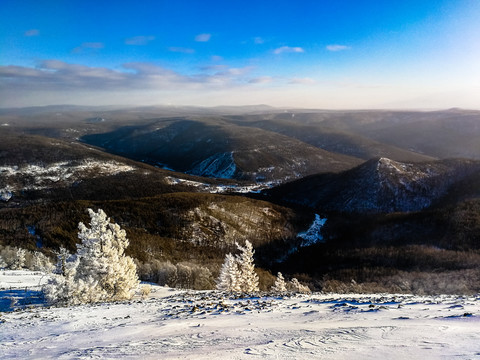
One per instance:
(172, 324)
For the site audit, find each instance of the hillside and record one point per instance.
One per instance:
(46, 185)
(439, 134)
(378, 186)
(329, 138)
(220, 149)
(390, 225)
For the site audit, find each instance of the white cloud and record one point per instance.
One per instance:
(139, 40)
(181, 50)
(261, 80)
(302, 81)
(288, 49)
(32, 32)
(203, 37)
(258, 40)
(61, 77)
(88, 46)
(336, 47)
(56, 82)
(217, 58)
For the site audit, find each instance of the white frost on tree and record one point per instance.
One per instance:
(229, 275)
(100, 270)
(101, 256)
(40, 262)
(20, 258)
(280, 286)
(295, 286)
(238, 273)
(62, 258)
(248, 278)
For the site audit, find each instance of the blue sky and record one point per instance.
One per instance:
(317, 54)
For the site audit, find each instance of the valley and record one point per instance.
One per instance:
(399, 190)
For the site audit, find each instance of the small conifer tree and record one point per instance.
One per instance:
(238, 273)
(229, 275)
(280, 286)
(248, 278)
(100, 270)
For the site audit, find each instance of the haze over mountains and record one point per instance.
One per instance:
(393, 185)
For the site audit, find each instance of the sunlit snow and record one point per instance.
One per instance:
(313, 235)
(220, 166)
(173, 324)
(218, 189)
(37, 177)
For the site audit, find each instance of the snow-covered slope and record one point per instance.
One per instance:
(217, 148)
(313, 233)
(207, 325)
(218, 166)
(37, 177)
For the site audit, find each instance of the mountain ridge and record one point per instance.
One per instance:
(379, 185)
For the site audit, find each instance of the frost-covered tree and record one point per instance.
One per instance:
(20, 258)
(238, 273)
(15, 258)
(100, 270)
(63, 288)
(280, 286)
(295, 286)
(248, 279)
(9, 255)
(40, 262)
(62, 257)
(228, 279)
(101, 257)
(3, 264)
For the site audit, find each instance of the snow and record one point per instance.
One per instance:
(22, 279)
(20, 288)
(219, 189)
(313, 235)
(45, 174)
(218, 166)
(173, 324)
(6, 194)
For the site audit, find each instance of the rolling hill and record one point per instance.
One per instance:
(217, 148)
(399, 216)
(379, 186)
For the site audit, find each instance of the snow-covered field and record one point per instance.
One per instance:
(172, 324)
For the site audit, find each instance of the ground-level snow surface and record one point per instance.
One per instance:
(206, 325)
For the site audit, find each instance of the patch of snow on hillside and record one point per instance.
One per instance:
(6, 193)
(42, 175)
(218, 166)
(406, 172)
(313, 235)
(414, 186)
(176, 181)
(220, 189)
